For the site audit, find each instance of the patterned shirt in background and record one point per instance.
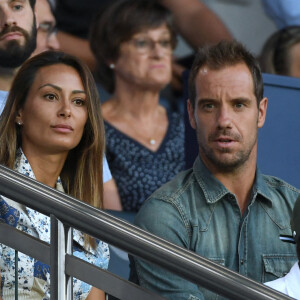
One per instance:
(138, 171)
(34, 276)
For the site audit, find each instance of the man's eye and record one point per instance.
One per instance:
(79, 102)
(17, 7)
(239, 105)
(208, 106)
(46, 27)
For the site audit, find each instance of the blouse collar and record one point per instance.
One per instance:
(22, 166)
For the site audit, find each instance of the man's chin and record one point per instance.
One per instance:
(15, 54)
(19, 39)
(18, 50)
(225, 162)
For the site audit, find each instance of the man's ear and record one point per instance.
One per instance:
(262, 111)
(190, 109)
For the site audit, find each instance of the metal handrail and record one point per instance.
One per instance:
(82, 270)
(131, 239)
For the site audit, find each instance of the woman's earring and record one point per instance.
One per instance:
(19, 123)
(112, 66)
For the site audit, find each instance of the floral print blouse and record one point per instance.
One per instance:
(34, 276)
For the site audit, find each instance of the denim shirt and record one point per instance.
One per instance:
(197, 212)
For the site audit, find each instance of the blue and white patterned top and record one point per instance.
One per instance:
(138, 171)
(34, 276)
(3, 98)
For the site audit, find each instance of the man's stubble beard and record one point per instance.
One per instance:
(231, 164)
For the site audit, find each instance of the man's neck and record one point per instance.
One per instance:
(239, 181)
(240, 185)
(7, 76)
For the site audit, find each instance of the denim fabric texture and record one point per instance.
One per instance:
(197, 212)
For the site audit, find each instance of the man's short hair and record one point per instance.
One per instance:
(221, 55)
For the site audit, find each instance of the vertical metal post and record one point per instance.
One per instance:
(69, 250)
(61, 243)
(16, 275)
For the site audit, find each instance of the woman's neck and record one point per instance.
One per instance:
(137, 114)
(138, 103)
(46, 167)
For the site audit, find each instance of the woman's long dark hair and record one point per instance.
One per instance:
(82, 172)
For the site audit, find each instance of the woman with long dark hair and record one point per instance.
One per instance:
(52, 130)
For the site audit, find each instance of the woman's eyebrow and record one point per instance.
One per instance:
(60, 89)
(52, 85)
(78, 92)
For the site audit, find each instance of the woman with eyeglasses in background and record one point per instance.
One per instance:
(133, 41)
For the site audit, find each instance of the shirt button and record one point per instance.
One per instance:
(242, 261)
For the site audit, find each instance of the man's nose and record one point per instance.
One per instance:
(7, 18)
(224, 117)
(53, 42)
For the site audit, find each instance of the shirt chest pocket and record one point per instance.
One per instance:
(276, 266)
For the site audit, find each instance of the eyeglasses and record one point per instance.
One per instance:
(47, 28)
(146, 45)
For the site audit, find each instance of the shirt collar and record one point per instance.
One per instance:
(214, 190)
(261, 188)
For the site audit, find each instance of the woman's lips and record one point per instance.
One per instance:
(158, 66)
(62, 128)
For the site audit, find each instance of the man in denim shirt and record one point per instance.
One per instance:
(223, 208)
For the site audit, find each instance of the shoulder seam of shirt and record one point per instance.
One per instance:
(175, 195)
(275, 182)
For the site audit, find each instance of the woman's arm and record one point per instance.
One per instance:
(78, 47)
(196, 22)
(95, 294)
(111, 198)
